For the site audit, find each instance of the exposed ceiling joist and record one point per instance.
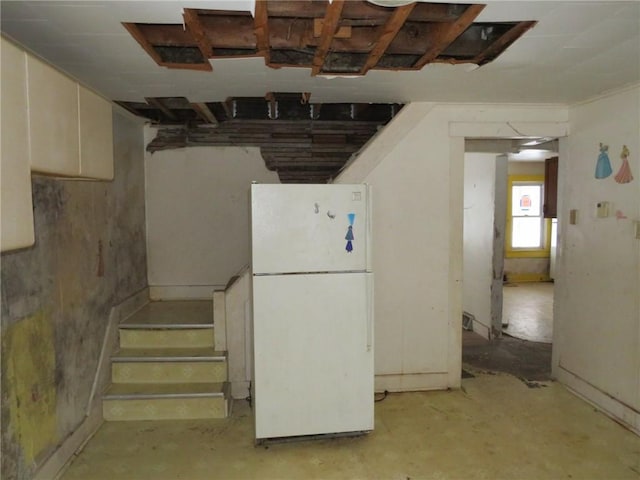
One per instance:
(329, 26)
(204, 113)
(389, 32)
(338, 38)
(448, 33)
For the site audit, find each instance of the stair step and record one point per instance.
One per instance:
(135, 337)
(124, 402)
(168, 354)
(169, 365)
(172, 315)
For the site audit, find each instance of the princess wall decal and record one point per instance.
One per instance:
(603, 165)
(624, 174)
(349, 236)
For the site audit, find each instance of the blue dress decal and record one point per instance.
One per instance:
(349, 236)
(603, 166)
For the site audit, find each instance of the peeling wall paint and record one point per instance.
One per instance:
(30, 376)
(89, 255)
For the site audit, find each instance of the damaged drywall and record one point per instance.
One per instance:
(89, 255)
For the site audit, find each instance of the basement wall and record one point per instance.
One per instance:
(89, 255)
(415, 166)
(197, 202)
(596, 331)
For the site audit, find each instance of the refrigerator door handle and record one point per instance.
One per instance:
(369, 311)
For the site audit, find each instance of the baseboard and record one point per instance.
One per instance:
(55, 464)
(219, 321)
(183, 292)
(621, 413)
(527, 277)
(412, 382)
(481, 329)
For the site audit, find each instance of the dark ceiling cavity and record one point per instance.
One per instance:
(303, 142)
(342, 37)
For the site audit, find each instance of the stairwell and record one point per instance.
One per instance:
(166, 367)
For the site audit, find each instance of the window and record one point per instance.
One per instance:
(527, 229)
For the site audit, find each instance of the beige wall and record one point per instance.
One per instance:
(197, 202)
(415, 166)
(597, 293)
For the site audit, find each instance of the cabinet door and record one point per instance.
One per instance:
(15, 193)
(53, 120)
(550, 208)
(96, 136)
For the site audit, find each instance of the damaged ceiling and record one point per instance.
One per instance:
(303, 142)
(330, 38)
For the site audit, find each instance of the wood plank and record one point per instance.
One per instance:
(447, 33)
(194, 26)
(331, 20)
(389, 32)
(261, 29)
(497, 47)
(344, 31)
(157, 103)
(205, 113)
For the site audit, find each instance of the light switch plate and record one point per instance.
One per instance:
(602, 209)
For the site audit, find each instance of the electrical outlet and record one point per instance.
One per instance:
(602, 209)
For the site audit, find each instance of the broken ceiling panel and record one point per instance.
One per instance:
(304, 142)
(338, 37)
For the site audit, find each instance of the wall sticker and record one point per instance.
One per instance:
(624, 174)
(349, 236)
(603, 166)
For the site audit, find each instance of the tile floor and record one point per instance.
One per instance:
(527, 308)
(495, 427)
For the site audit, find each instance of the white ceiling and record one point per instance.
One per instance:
(577, 51)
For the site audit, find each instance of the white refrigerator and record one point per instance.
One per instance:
(312, 289)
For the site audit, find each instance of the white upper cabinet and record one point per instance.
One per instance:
(53, 120)
(16, 230)
(96, 136)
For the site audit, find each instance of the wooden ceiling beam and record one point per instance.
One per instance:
(261, 29)
(447, 33)
(194, 26)
(503, 42)
(329, 27)
(389, 32)
(157, 103)
(205, 113)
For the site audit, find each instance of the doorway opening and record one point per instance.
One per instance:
(509, 255)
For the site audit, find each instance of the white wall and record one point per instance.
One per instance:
(479, 204)
(597, 293)
(197, 202)
(415, 166)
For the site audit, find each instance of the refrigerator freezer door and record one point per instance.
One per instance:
(309, 228)
(313, 370)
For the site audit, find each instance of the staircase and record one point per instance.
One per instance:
(166, 367)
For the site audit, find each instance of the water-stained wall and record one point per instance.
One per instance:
(89, 255)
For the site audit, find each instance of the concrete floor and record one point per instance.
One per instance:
(527, 311)
(495, 427)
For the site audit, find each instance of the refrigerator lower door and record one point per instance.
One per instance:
(313, 354)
